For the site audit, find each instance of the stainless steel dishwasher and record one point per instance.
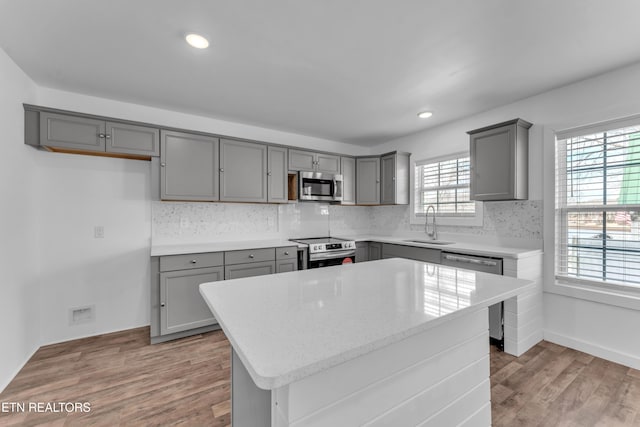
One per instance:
(485, 265)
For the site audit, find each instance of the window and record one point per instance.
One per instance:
(598, 204)
(444, 183)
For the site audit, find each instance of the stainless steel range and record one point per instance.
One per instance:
(327, 251)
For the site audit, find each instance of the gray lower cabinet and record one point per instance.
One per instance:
(348, 167)
(188, 166)
(238, 271)
(375, 251)
(286, 259)
(85, 134)
(499, 161)
(277, 171)
(243, 171)
(368, 181)
(411, 252)
(362, 251)
(394, 189)
(181, 305)
(310, 161)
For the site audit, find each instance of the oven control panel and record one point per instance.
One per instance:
(328, 247)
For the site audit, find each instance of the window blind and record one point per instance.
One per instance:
(598, 204)
(444, 183)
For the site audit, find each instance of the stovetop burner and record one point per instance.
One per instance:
(312, 240)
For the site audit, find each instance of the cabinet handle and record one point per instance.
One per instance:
(163, 164)
(251, 256)
(377, 181)
(286, 252)
(193, 261)
(101, 135)
(221, 169)
(269, 173)
(107, 136)
(161, 304)
(393, 179)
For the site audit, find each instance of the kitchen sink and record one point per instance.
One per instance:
(431, 242)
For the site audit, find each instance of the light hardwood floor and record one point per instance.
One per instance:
(186, 382)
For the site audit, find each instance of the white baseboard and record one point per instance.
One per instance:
(5, 381)
(625, 359)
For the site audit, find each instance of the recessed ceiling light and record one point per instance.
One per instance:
(197, 41)
(425, 114)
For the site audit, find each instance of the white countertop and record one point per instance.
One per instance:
(287, 326)
(469, 248)
(195, 248)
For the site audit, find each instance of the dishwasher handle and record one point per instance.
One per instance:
(465, 260)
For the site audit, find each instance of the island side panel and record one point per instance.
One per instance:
(438, 377)
(523, 315)
(250, 405)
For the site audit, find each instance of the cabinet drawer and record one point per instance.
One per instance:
(287, 252)
(184, 262)
(249, 255)
(252, 269)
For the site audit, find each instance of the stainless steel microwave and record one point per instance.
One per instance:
(319, 186)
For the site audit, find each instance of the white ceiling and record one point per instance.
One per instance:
(356, 71)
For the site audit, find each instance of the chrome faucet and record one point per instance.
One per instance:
(433, 234)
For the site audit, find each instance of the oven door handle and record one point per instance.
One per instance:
(330, 255)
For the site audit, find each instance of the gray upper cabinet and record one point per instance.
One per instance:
(189, 166)
(277, 183)
(368, 181)
(328, 163)
(395, 179)
(71, 132)
(85, 134)
(132, 139)
(499, 161)
(301, 160)
(243, 171)
(348, 167)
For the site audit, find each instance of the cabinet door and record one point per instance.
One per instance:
(132, 139)
(327, 163)
(411, 252)
(285, 265)
(493, 164)
(249, 270)
(181, 305)
(302, 160)
(71, 132)
(362, 251)
(375, 251)
(243, 171)
(189, 166)
(348, 167)
(368, 181)
(277, 182)
(388, 178)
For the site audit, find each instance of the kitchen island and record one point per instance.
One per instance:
(389, 342)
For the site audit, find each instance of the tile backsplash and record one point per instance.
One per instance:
(192, 221)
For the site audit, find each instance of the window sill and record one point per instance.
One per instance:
(462, 221)
(629, 300)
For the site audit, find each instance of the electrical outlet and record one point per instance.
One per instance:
(79, 315)
(98, 232)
